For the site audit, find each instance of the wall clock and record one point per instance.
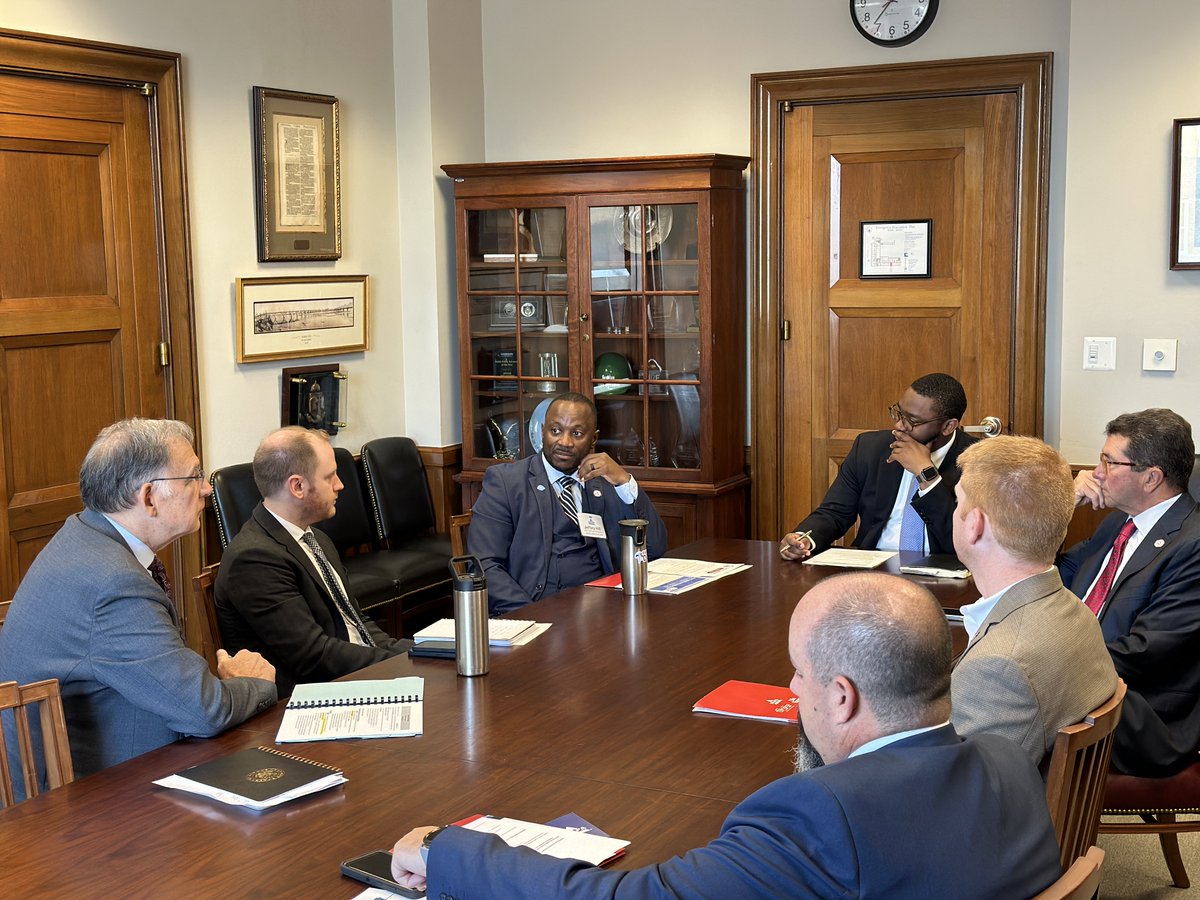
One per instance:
(893, 23)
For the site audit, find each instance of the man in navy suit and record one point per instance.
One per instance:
(1140, 573)
(96, 609)
(898, 484)
(550, 521)
(872, 655)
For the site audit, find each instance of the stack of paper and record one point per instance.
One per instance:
(501, 632)
(390, 707)
(257, 778)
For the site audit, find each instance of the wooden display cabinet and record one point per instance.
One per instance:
(624, 280)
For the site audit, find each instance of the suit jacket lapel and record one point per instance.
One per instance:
(1164, 530)
(1020, 594)
(280, 535)
(543, 495)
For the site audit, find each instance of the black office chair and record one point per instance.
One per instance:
(234, 496)
(404, 521)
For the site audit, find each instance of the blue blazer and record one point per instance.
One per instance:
(512, 529)
(865, 489)
(933, 815)
(1151, 624)
(88, 614)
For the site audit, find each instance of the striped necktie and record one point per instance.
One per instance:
(340, 600)
(566, 497)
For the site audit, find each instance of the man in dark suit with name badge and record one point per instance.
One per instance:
(1140, 574)
(550, 521)
(898, 484)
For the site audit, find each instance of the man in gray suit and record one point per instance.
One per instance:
(1036, 660)
(95, 611)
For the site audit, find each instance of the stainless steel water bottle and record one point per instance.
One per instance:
(470, 615)
(634, 557)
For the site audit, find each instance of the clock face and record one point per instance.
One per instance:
(893, 23)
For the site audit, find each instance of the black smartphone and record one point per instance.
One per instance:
(952, 615)
(376, 870)
(436, 649)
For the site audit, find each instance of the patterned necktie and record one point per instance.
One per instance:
(566, 498)
(912, 526)
(159, 573)
(335, 589)
(1099, 592)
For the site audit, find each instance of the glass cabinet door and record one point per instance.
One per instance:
(644, 300)
(518, 339)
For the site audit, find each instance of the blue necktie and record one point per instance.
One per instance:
(912, 526)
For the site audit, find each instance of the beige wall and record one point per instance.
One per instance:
(425, 82)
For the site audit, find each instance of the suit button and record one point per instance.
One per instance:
(539, 587)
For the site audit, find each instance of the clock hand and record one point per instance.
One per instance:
(879, 18)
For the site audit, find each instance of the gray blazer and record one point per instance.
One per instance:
(1037, 663)
(89, 615)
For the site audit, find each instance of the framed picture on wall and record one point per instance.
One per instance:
(1185, 196)
(288, 318)
(314, 397)
(896, 249)
(297, 176)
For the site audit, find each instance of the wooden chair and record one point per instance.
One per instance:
(1157, 801)
(1078, 769)
(204, 614)
(1080, 882)
(16, 699)
(458, 533)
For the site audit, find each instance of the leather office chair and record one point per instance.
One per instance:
(56, 749)
(204, 614)
(1080, 882)
(1158, 801)
(403, 510)
(459, 525)
(1078, 769)
(234, 496)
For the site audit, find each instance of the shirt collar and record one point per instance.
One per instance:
(554, 474)
(975, 614)
(1148, 518)
(880, 742)
(294, 530)
(137, 546)
(936, 456)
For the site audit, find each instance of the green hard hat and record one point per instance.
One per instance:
(610, 366)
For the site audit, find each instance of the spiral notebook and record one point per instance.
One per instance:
(257, 778)
(338, 710)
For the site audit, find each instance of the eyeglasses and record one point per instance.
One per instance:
(899, 415)
(198, 476)
(1107, 462)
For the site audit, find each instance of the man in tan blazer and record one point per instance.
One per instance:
(1036, 659)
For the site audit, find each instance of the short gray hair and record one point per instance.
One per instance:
(124, 456)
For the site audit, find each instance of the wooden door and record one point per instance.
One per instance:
(847, 346)
(85, 288)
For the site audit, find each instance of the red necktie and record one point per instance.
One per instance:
(1099, 592)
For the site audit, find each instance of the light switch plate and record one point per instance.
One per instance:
(1100, 354)
(1158, 354)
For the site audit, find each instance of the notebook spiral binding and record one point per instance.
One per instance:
(311, 762)
(351, 701)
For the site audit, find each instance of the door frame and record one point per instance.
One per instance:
(771, 96)
(156, 74)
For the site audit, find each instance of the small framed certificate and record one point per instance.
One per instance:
(896, 249)
(1185, 196)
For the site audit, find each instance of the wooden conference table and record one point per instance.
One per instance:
(592, 717)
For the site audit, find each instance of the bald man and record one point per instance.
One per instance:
(880, 771)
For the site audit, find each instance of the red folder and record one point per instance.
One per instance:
(748, 700)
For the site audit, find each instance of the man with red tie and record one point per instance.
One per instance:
(1140, 573)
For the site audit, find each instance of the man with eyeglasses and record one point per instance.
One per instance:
(898, 484)
(1140, 574)
(96, 609)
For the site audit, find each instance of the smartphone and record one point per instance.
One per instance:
(436, 649)
(376, 870)
(952, 615)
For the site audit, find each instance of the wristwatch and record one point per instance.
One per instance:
(427, 840)
(928, 474)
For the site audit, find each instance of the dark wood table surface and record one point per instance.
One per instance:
(592, 717)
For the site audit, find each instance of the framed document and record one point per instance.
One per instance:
(297, 176)
(287, 318)
(1185, 196)
(896, 249)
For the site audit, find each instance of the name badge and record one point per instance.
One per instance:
(592, 525)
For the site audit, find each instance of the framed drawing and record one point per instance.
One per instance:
(297, 176)
(313, 397)
(1185, 196)
(895, 249)
(287, 318)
